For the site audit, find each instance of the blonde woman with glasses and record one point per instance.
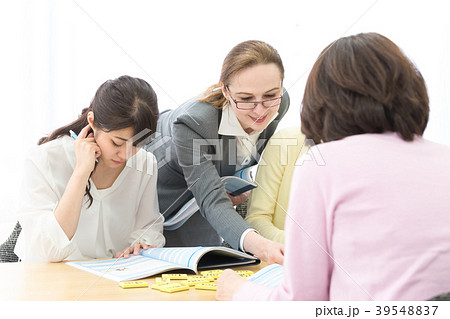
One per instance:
(214, 135)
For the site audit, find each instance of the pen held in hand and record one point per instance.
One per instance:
(75, 136)
(72, 133)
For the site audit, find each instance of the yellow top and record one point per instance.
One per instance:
(268, 202)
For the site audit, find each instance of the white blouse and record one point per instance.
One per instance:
(126, 212)
(246, 147)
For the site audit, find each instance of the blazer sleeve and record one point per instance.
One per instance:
(204, 182)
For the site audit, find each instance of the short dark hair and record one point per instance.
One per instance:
(363, 84)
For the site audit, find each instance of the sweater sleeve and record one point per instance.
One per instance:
(264, 198)
(41, 232)
(308, 263)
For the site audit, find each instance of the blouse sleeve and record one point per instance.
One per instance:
(204, 182)
(264, 198)
(42, 233)
(308, 263)
(149, 221)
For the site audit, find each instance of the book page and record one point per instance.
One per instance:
(269, 276)
(123, 269)
(183, 256)
(248, 174)
(158, 260)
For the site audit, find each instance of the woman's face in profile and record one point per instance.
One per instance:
(259, 83)
(116, 146)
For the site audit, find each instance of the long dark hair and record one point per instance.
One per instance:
(364, 84)
(120, 103)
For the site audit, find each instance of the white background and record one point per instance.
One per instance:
(54, 55)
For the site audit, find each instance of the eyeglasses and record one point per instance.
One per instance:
(250, 105)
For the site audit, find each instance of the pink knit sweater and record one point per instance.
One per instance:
(373, 223)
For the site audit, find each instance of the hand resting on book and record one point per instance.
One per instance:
(134, 249)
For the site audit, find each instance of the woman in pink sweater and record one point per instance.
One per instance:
(369, 211)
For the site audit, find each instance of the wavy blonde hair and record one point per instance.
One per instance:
(244, 55)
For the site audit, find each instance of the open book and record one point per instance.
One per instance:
(239, 183)
(158, 260)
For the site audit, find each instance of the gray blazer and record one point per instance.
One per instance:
(192, 157)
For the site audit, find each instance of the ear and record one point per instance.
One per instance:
(224, 90)
(90, 118)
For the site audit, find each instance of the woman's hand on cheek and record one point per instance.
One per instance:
(86, 151)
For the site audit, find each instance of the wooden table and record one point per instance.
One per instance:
(58, 281)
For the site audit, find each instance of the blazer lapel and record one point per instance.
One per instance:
(227, 165)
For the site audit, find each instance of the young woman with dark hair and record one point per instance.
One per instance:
(376, 222)
(93, 194)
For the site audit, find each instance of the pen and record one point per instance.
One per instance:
(72, 133)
